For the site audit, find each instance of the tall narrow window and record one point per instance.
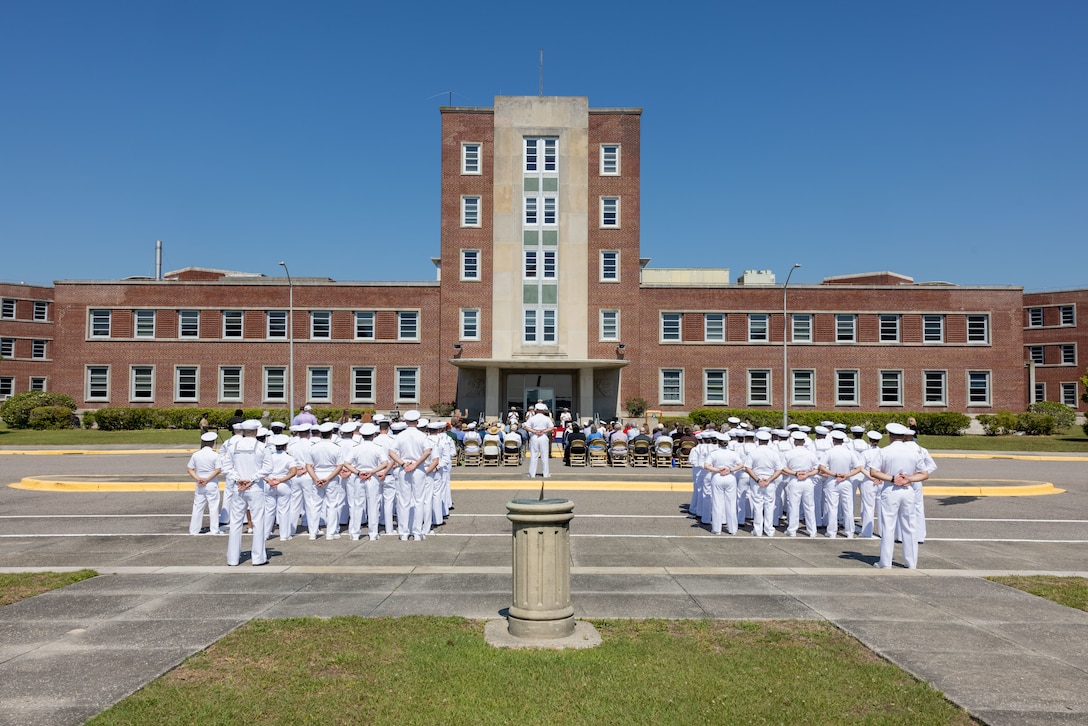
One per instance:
(531, 216)
(610, 211)
(891, 388)
(610, 265)
(889, 328)
(100, 323)
(759, 387)
(407, 385)
(1069, 394)
(232, 323)
(715, 390)
(275, 383)
(408, 325)
(142, 385)
(37, 383)
(7, 387)
(1039, 393)
(1035, 354)
(610, 325)
(714, 327)
(610, 159)
(549, 327)
(188, 323)
(470, 158)
(277, 323)
(38, 349)
(802, 327)
(1069, 354)
(670, 327)
(318, 384)
(41, 310)
(1067, 315)
(978, 328)
(551, 211)
(470, 264)
(470, 324)
(7, 309)
(186, 383)
(230, 383)
(978, 388)
(364, 325)
(98, 383)
(846, 388)
(1035, 317)
(7, 347)
(530, 325)
(144, 323)
(757, 327)
(321, 324)
(935, 388)
(672, 385)
(362, 385)
(846, 328)
(933, 328)
(470, 211)
(802, 386)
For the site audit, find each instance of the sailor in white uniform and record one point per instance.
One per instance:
(203, 467)
(723, 465)
(763, 466)
(801, 465)
(410, 451)
(303, 492)
(368, 462)
(327, 458)
(279, 493)
(839, 467)
(539, 426)
(246, 467)
(898, 466)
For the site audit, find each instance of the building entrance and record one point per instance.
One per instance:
(523, 390)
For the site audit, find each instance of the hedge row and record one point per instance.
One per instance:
(1007, 422)
(18, 410)
(928, 422)
(130, 419)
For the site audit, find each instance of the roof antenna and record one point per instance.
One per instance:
(541, 71)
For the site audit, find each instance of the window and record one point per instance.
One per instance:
(142, 384)
(715, 388)
(759, 387)
(531, 216)
(610, 266)
(100, 323)
(1066, 315)
(978, 388)
(610, 159)
(277, 323)
(670, 326)
(470, 158)
(470, 324)
(321, 324)
(714, 327)
(364, 325)
(408, 325)
(317, 383)
(978, 328)
(274, 387)
(7, 309)
(1069, 354)
(549, 267)
(185, 383)
(845, 328)
(470, 264)
(1039, 394)
(98, 383)
(41, 310)
(232, 323)
(540, 154)
(7, 387)
(188, 323)
(7, 347)
(230, 383)
(610, 211)
(933, 328)
(1035, 317)
(530, 325)
(891, 388)
(362, 385)
(934, 388)
(1035, 354)
(610, 325)
(803, 387)
(889, 328)
(531, 269)
(549, 328)
(470, 211)
(1069, 394)
(38, 349)
(801, 324)
(144, 323)
(846, 388)
(407, 385)
(672, 385)
(551, 210)
(37, 383)
(757, 327)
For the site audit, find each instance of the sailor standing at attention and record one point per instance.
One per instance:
(839, 467)
(898, 466)
(328, 458)
(723, 464)
(368, 462)
(203, 467)
(764, 466)
(410, 451)
(539, 427)
(303, 491)
(277, 508)
(245, 468)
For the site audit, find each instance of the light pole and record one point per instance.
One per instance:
(785, 350)
(290, 344)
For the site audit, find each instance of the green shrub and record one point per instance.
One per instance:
(16, 410)
(635, 406)
(131, 419)
(998, 424)
(1066, 416)
(443, 410)
(936, 423)
(1036, 424)
(50, 417)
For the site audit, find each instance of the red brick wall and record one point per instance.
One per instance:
(1053, 335)
(24, 330)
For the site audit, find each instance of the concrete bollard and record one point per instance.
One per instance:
(541, 607)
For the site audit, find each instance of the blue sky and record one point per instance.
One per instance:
(945, 140)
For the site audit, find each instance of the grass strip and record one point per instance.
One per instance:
(21, 585)
(1069, 591)
(431, 670)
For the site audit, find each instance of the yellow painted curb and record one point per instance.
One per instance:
(92, 452)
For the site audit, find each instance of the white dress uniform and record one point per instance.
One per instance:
(699, 506)
(327, 456)
(367, 457)
(412, 447)
(919, 499)
(204, 464)
(443, 499)
(763, 462)
(303, 492)
(228, 490)
(801, 493)
(248, 461)
(869, 489)
(782, 446)
(897, 502)
(744, 489)
(388, 484)
(821, 444)
(278, 499)
(839, 495)
(539, 427)
(721, 465)
(349, 483)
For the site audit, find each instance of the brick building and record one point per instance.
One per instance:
(1053, 341)
(542, 294)
(26, 338)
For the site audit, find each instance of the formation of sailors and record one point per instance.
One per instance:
(770, 475)
(351, 474)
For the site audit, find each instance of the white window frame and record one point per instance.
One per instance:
(470, 265)
(549, 264)
(141, 384)
(530, 328)
(470, 211)
(7, 348)
(714, 327)
(41, 310)
(275, 327)
(100, 321)
(549, 210)
(884, 376)
(939, 377)
(7, 387)
(799, 375)
(609, 318)
(1069, 394)
(541, 154)
(318, 377)
(610, 266)
(932, 324)
(471, 158)
(321, 325)
(549, 326)
(140, 322)
(854, 376)
(759, 328)
(1039, 394)
(671, 386)
(1035, 317)
(229, 318)
(800, 327)
(178, 397)
(470, 324)
(890, 325)
(530, 211)
(96, 377)
(1068, 354)
(986, 377)
(1067, 316)
(401, 379)
(224, 382)
(269, 387)
(39, 349)
(846, 328)
(188, 320)
(610, 212)
(974, 335)
(403, 316)
(1037, 354)
(668, 322)
(711, 388)
(610, 159)
(358, 374)
(361, 324)
(8, 308)
(38, 383)
(760, 378)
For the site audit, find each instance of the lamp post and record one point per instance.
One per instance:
(290, 344)
(785, 350)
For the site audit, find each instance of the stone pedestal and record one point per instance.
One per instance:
(541, 607)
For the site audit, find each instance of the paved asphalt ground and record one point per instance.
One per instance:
(1008, 657)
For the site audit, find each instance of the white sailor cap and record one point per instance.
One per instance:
(875, 435)
(829, 424)
(792, 427)
(423, 422)
(368, 429)
(378, 417)
(299, 428)
(208, 436)
(838, 435)
(251, 424)
(277, 425)
(471, 425)
(839, 427)
(781, 433)
(280, 440)
(348, 427)
(436, 425)
(540, 407)
(798, 436)
(236, 426)
(327, 427)
(804, 429)
(262, 431)
(763, 435)
(733, 420)
(857, 429)
(399, 426)
(720, 436)
(411, 415)
(821, 429)
(896, 429)
(909, 432)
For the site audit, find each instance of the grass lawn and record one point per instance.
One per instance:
(1070, 440)
(1069, 591)
(22, 585)
(429, 670)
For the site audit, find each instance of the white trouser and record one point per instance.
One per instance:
(706, 496)
(334, 503)
(438, 497)
(818, 485)
(294, 506)
(283, 496)
(744, 493)
(919, 513)
(206, 496)
(447, 492)
(723, 503)
(696, 491)
(410, 498)
(867, 496)
(839, 499)
(897, 510)
(372, 497)
(271, 503)
(802, 494)
(539, 452)
(230, 488)
(780, 500)
(390, 486)
(253, 500)
(764, 500)
(313, 499)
